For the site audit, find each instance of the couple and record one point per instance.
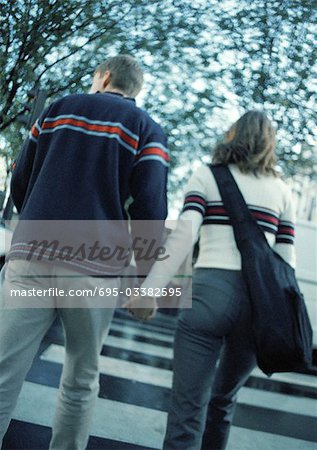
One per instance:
(97, 157)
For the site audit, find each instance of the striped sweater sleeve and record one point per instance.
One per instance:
(148, 187)
(148, 183)
(182, 239)
(195, 195)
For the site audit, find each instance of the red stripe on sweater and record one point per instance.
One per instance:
(92, 127)
(266, 217)
(286, 230)
(34, 131)
(195, 200)
(154, 151)
(216, 210)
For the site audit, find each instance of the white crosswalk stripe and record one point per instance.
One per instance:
(141, 347)
(133, 331)
(118, 368)
(115, 420)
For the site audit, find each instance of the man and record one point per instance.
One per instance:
(85, 157)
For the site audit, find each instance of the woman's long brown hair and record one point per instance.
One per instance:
(250, 144)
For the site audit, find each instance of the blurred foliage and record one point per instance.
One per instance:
(273, 47)
(205, 62)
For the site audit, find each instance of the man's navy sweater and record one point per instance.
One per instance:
(85, 157)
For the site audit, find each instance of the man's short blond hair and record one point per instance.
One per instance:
(126, 74)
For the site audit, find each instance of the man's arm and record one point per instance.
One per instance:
(178, 245)
(148, 183)
(22, 167)
(148, 187)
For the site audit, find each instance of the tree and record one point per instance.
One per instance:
(253, 54)
(272, 45)
(58, 44)
(205, 61)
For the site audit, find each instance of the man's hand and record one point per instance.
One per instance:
(142, 308)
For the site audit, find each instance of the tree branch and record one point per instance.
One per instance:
(74, 51)
(12, 119)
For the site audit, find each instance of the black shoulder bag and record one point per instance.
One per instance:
(280, 324)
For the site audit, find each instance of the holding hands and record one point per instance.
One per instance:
(141, 307)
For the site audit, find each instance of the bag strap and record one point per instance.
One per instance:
(244, 225)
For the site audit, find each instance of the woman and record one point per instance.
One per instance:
(218, 324)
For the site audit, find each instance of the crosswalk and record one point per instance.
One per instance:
(279, 413)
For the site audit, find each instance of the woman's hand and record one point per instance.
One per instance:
(142, 308)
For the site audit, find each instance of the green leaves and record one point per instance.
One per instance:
(206, 62)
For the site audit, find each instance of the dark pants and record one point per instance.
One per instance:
(217, 326)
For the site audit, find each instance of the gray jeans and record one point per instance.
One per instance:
(21, 332)
(204, 394)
